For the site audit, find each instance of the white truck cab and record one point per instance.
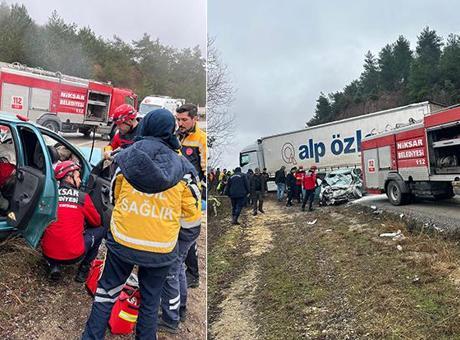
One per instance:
(251, 157)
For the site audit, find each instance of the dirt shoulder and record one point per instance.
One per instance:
(35, 308)
(279, 275)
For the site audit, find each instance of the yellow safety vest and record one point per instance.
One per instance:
(194, 149)
(151, 222)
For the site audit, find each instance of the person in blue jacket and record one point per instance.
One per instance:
(237, 189)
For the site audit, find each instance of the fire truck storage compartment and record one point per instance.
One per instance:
(445, 149)
(98, 105)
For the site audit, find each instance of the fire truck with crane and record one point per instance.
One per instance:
(421, 159)
(60, 102)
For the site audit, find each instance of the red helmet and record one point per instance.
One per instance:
(123, 113)
(62, 169)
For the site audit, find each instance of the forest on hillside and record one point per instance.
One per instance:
(398, 76)
(146, 65)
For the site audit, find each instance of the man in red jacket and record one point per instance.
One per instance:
(299, 192)
(309, 185)
(66, 241)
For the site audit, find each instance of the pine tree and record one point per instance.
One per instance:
(323, 111)
(353, 92)
(424, 73)
(369, 79)
(155, 64)
(15, 25)
(387, 68)
(450, 61)
(402, 61)
(62, 50)
(190, 69)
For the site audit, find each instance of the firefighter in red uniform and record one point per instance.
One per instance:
(66, 241)
(125, 118)
(299, 189)
(309, 184)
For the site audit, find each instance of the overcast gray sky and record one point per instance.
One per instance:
(178, 23)
(283, 54)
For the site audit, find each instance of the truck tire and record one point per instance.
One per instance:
(51, 124)
(395, 194)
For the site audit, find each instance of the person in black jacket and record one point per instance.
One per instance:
(237, 189)
(267, 177)
(280, 181)
(257, 189)
(249, 175)
(291, 185)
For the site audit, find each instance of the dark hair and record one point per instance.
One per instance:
(238, 169)
(191, 110)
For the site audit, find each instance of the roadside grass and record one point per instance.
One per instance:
(226, 247)
(337, 283)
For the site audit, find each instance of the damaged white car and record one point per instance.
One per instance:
(340, 186)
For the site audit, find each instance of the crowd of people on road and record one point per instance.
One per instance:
(217, 180)
(250, 188)
(300, 185)
(158, 180)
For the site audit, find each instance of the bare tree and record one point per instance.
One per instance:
(220, 95)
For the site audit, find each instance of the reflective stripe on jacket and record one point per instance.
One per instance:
(151, 222)
(194, 149)
(191, 204)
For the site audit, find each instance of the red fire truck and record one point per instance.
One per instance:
(60, 102)
(421, 159)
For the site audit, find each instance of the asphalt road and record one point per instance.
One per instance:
(79, 140)
(444, 214)
(85, 143)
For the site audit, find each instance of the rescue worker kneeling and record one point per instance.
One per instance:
(66, 241)
(151, 192)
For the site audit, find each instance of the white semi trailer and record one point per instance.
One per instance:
(328, 146)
